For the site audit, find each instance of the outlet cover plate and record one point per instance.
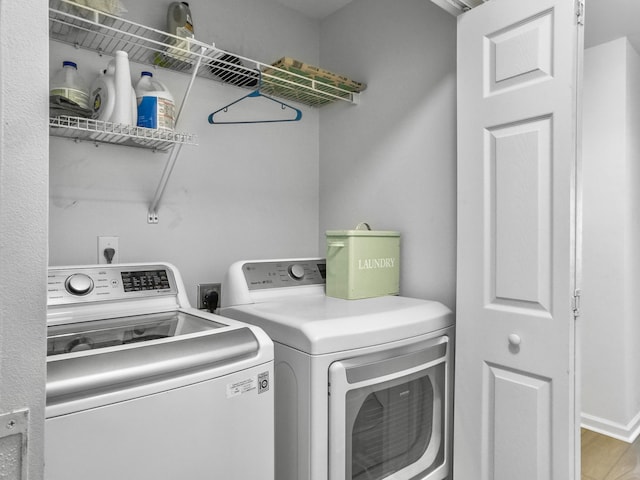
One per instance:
(108, 242)
(203, 290)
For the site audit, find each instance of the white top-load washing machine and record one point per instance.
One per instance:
(142, 386)
(363, 388)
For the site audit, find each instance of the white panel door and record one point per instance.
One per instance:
(518, 78)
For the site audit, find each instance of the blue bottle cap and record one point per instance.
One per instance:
(146, 74)
(67, 63)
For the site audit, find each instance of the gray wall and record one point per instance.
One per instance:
(611, 234)
(267, 191)
(252, 191)
(23, 226)
(244, 191)
(391, 161)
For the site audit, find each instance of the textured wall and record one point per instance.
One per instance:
(23, 221)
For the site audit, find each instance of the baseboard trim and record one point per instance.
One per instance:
(627, 433)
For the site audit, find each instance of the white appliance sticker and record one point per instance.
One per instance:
(263, 382)
(241, 387)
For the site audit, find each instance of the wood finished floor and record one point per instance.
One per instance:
(605, 458)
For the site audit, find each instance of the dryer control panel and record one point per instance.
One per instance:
(287, 273)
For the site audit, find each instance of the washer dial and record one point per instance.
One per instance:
(79, 284)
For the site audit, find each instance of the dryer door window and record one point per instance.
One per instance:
(392, 429)
(387, 414)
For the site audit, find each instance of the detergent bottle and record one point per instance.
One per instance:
(68, 83)
(179, 20)
(114, 100)
(156, 107)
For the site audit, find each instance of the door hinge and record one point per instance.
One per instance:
(576, 303)
(580, 12)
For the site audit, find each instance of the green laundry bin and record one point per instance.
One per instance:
(362, 263)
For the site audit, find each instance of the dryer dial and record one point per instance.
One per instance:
(79, 284)
(296, 271)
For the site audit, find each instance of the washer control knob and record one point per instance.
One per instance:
(79, 284)
(296, 271)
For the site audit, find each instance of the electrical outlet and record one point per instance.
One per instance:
(108, 242)
(204, 289)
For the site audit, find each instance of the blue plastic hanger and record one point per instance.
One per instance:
(255, 94)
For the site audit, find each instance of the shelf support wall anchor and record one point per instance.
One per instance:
(152, 216)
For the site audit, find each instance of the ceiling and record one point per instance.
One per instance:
(605, 19)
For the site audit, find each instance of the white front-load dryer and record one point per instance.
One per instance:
(363, 388)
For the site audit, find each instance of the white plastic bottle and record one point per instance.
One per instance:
(68, 83)
(123, 110)
(104, 97)
(103, 94)
(156, 107)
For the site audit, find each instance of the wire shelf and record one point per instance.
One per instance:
(97, 131)
(94, 30)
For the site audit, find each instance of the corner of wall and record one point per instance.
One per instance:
(607, 391)
(632, 235)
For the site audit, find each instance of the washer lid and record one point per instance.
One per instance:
(110, 332)
(318, 324)
(105, 356)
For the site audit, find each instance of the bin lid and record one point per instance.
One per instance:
(362, 233)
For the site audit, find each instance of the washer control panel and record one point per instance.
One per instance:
(89, 284)
(280, 274)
